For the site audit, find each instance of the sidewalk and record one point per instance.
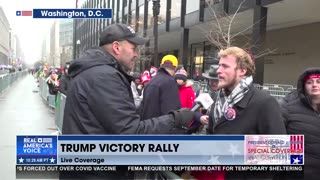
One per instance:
(22, 112)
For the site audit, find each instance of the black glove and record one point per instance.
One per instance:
(183, 117)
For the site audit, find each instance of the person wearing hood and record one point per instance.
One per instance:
(302, 116)
(186, 93)
(100, 99)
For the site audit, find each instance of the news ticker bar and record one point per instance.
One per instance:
(51, 172)
(161, 150)
(67, 13)
(135, 168)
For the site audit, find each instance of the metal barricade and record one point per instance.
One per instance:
(258, 86)
(7, 80)
(291, 89)
(278, 95)
(52, 101)
(272, 88)
(59, 110)
(196, 87)
(285, 87)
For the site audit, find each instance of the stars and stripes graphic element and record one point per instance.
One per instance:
(296, 143)
(296, 159)
(23, 13)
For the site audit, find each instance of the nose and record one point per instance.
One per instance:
(219, 70)
(315, 84)
(136, 53)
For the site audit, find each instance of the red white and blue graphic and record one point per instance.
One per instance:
(274, 149)
(296, 143)
(296, 159)
(23, 13)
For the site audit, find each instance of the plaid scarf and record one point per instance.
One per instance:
(224, 102)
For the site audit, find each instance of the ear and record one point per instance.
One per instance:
(116, 47)
(242, 72)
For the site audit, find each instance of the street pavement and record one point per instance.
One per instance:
(22, 112)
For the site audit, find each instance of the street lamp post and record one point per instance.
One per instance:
(74, 35)
(78, 48)
(156, 11)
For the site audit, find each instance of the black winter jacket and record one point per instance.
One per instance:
(100, 100)
(64, 83)
(160, 96)
(301, 118)
(256, 113)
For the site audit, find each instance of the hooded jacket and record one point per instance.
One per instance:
(100, 100)
(301, 118)
(187, 95)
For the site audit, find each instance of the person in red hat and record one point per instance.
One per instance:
(145, 79)
(186, 93)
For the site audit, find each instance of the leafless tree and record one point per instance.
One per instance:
(221, 33)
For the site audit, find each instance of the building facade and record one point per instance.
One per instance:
(54, 59)
(274, 31)
(4, 38)
(65, 41)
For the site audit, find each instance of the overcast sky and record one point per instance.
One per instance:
(31, 32)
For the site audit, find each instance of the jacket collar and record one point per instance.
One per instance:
(113, 62)
(243, 103)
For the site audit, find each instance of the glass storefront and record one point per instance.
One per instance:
(175, 9)
(141, 19)
(192, 6)
(121, 4)
(150, 15)
(203, 55)
(163, 10)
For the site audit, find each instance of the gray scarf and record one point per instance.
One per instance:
(224, 102)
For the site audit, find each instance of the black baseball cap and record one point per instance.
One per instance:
(118, 32)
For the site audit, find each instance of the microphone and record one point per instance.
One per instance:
(203, 100)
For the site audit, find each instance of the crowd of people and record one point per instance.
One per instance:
(57, 79)
(105, 97)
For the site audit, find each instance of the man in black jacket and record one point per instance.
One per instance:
(100, 99)
(240, 108)
(161, 95)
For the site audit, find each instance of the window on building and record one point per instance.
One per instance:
(150, 15)
(192, 6)
(175, 9)
(141, 19)
(133, 19)
(163, 12)
(212, 2)
(210, 55)
(197, 58)
(120, 9)
(115, 11)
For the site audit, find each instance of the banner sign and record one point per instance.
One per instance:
(237, 153)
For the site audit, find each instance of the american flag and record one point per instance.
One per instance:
(296, 143)
(23, 13)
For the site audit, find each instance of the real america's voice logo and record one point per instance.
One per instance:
(36, 150)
